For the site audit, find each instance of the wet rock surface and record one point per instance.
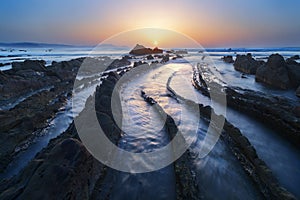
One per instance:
(65, 169)
(118, 63)
(36, 65)
(294, 74)
(295, 57)
(165, 58)
(272, 110)
(244, 152)
(22, 123)
(32, 75)
(68, 164)
(246, 64)
(274, 73)
(50, 86)
(228, 59)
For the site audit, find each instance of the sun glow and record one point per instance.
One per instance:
(152, 37)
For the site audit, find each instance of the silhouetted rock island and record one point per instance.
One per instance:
(141, 50)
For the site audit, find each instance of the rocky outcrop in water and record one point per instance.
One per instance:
(65, 169)
(138, 63)
(246, 64)
(31, 75)
(150, 57)
(228, 59)
(271, 110)
(156, 50)
(103, 99)
(38, 93)
(274, 72)
(139, 50)
(118, 63)
(294, 73)
(36, 65)
(165, 58)
(295, 57)
(244, 152)
(23, 123)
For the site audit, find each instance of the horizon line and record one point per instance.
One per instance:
(95, 45)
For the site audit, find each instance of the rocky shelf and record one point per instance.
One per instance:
(277, 112)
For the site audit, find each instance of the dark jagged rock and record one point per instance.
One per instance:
(228, 59)
(141, 50)
(22, 124)
(165, 58)
(177, 56)
(298, 92)
(156, 50)
(65, 169)
(246, 64)
(68, 171)
(279, 72)
(127, 57)
(274, 72)
(245, 153)
(65, 70)
(290, 61)
(118, 63)
(253, 165)
(45, 91)
(36, 65)
(32, 75)
(14, 85)
(158, 56)
(271, 110)
(103, 98)
(297, 111)
(150, 57)
(135, 64)
(294, 74)
(3, 76)
(295, 57)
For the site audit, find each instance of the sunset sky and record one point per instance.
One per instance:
(212, 23)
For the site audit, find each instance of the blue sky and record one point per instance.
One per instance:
(210, 22)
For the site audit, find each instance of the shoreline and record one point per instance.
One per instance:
(59, 78)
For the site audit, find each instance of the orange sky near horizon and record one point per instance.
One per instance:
(199, 26)
(209, 22)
